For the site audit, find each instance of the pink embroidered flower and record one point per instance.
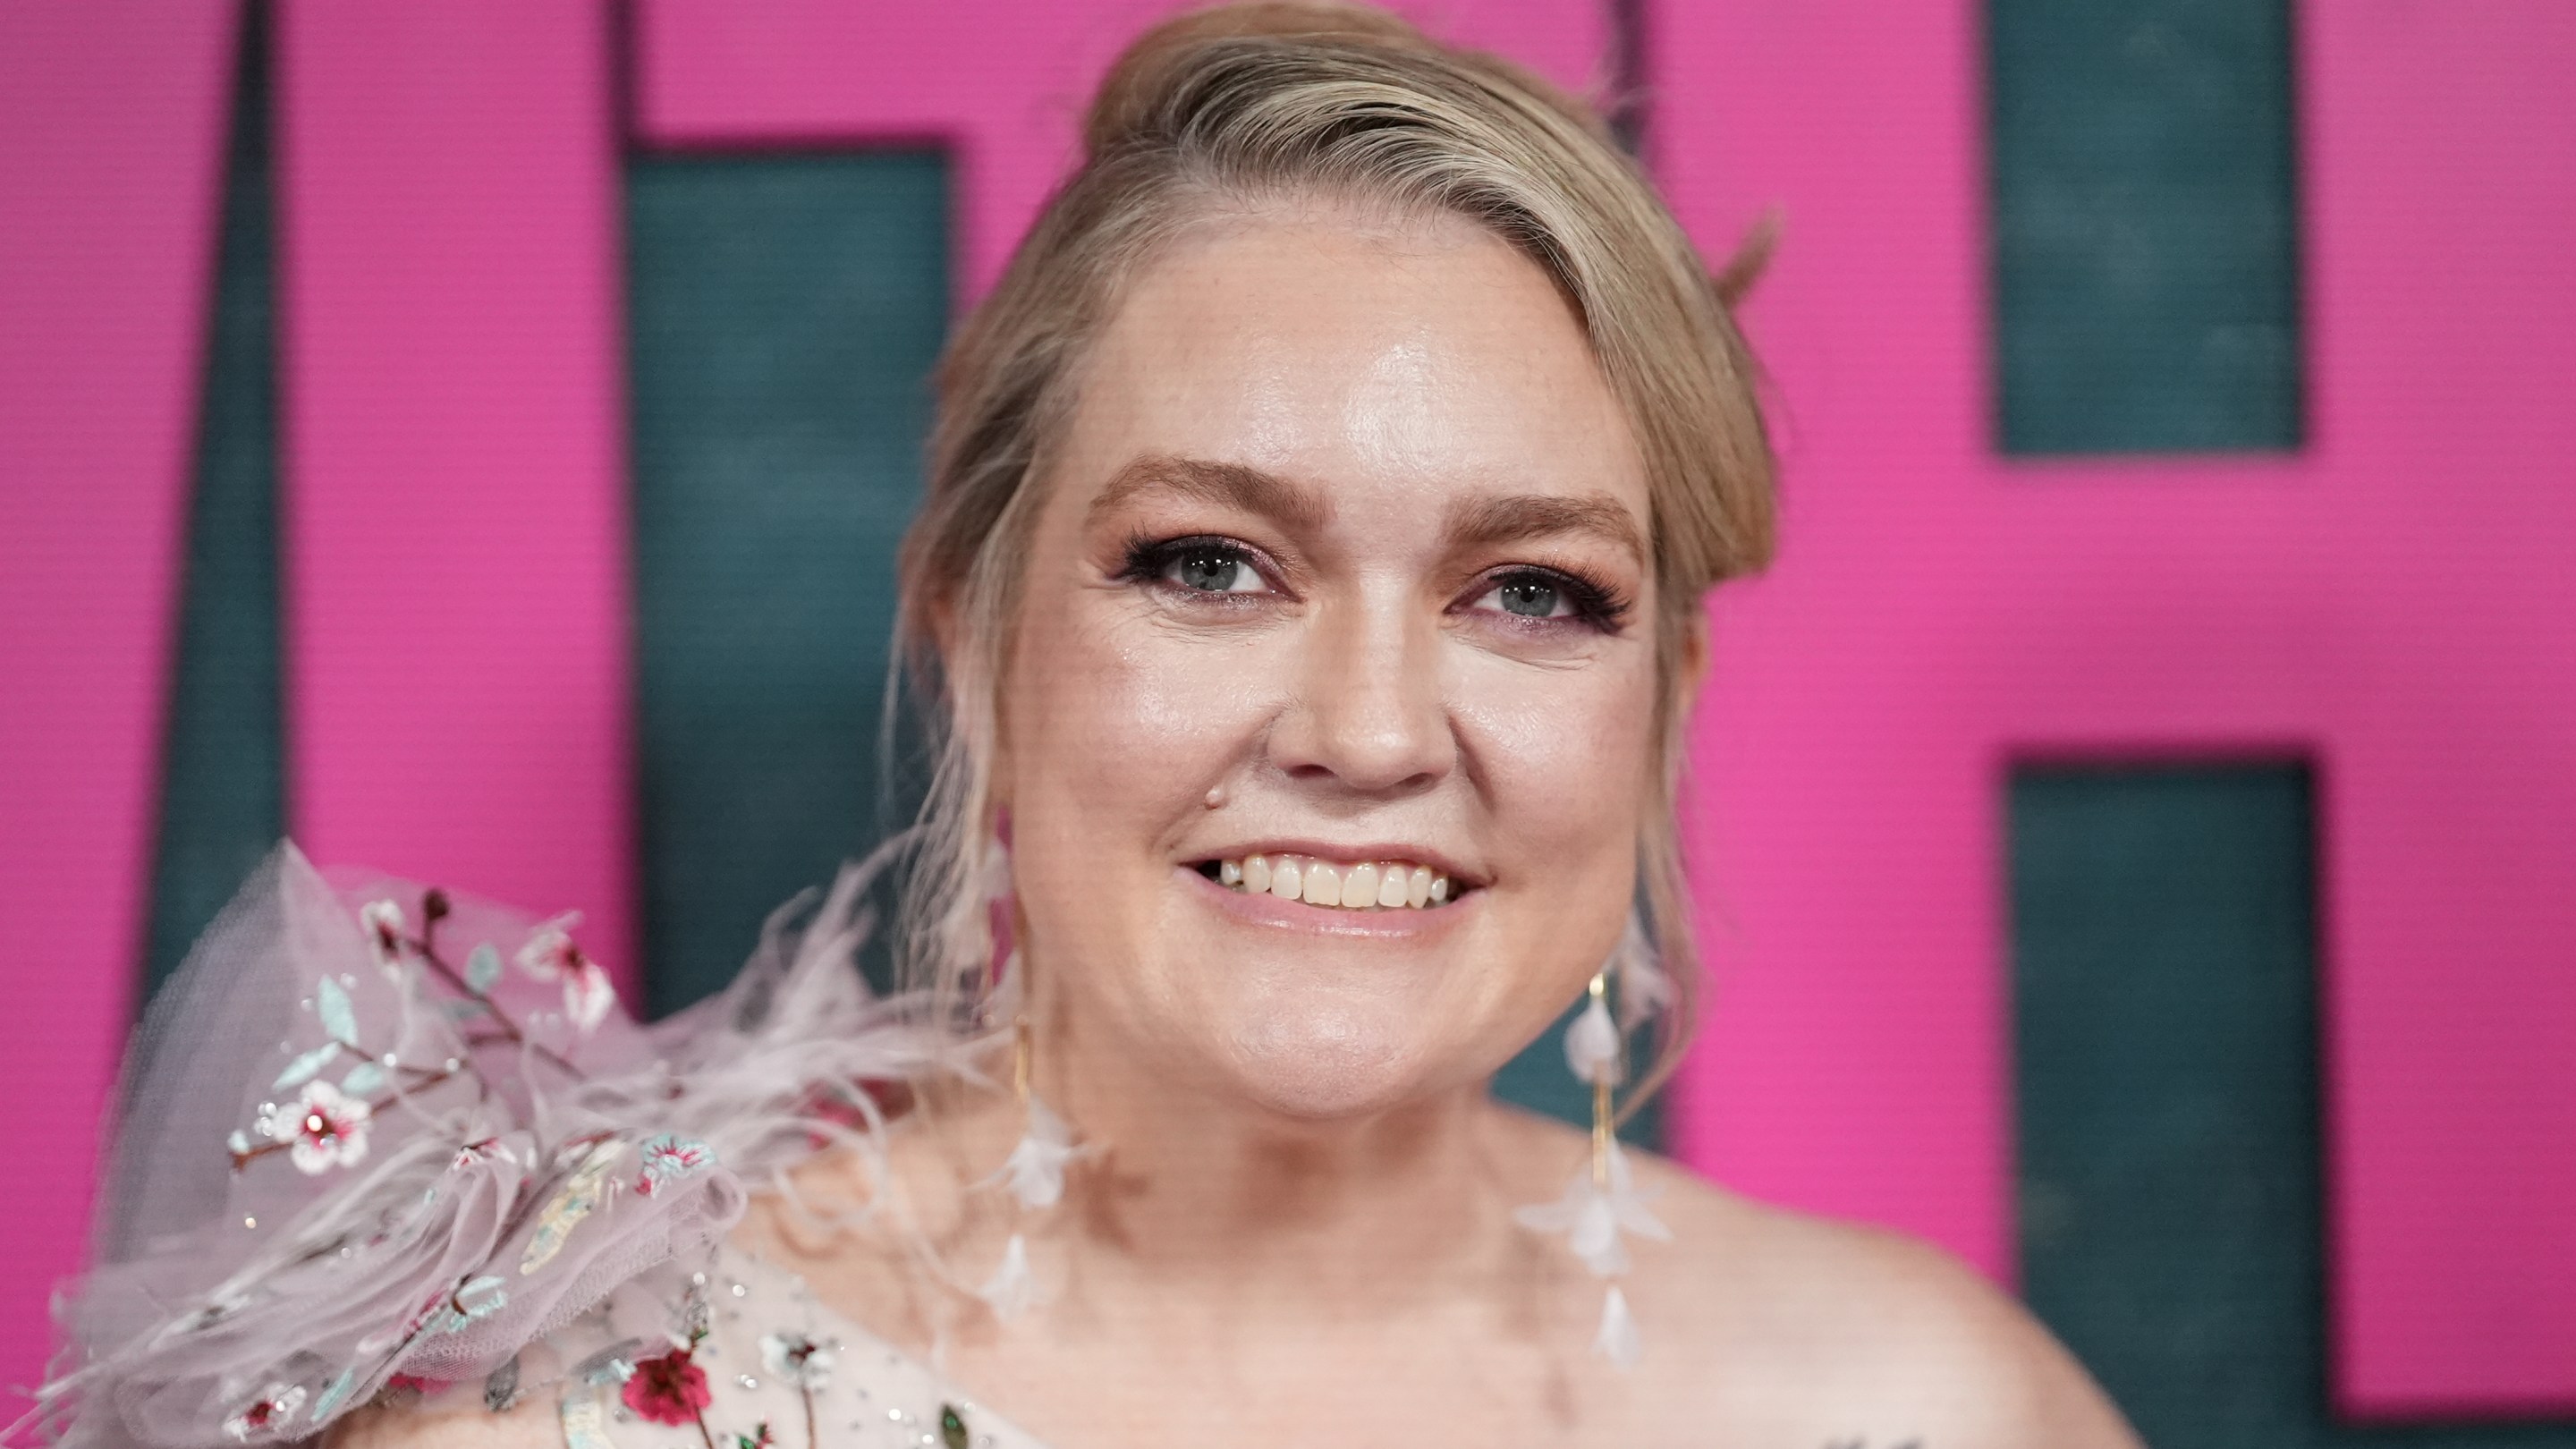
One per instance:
(266, 1415)
(550, 953)
(588, 995)
(668, 1389)
(669, 1158)
(327, 1127)
(383, 923)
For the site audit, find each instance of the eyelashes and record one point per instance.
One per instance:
(1203, 564)
(1590, 600)
(1215, 570)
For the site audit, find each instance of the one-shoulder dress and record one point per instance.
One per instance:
(378, 1142)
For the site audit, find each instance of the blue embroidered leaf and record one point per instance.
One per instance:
(364, 1079)
(331, 1006)
(303, 1068)
(482, 968)
(332, 1393)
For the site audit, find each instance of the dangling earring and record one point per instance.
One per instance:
(1034, 1173)
(1601, 1201)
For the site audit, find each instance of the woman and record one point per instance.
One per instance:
(1310, 581)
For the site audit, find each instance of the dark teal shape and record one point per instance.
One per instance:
(785, 313)
(2165, 1044)
(2145, 214)
(223, 793)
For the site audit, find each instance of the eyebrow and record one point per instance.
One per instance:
(1227, 484)
(1485, 521)
(1518, 516)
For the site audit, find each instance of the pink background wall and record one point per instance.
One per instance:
(2395, 602)
(110, 159)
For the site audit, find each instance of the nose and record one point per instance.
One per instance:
(1366, 712)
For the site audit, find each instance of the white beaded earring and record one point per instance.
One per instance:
(1034, 1172)
(1602, 1201)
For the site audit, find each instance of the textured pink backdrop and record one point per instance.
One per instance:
(111, 134)
(455, 527)
(2397, 603)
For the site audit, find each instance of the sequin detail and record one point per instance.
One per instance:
(581, 1194)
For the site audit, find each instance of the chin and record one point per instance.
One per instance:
(1324, 1063)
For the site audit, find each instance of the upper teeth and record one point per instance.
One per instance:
(1377, 884)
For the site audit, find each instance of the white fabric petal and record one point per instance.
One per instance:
(1011, 1289)
(1644, 987)
(1592, 1045)
(588, 996)
(1595, 1238)
(1618, 1340)
(1593, 1217)
(1034, 1171)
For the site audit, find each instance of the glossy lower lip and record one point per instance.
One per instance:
(1402, 923)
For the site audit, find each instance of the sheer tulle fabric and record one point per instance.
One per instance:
(375, 1138)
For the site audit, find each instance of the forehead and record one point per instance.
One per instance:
(1392, 365)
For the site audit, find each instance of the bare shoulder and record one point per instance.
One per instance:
(450, 1421)
(1856, 1335)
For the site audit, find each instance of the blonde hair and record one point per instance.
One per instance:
(1259, 102)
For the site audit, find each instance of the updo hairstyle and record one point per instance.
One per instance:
(1268, 104)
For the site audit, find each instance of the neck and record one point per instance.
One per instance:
(1198, 1193)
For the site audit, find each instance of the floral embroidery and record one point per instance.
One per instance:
(580, 1196)
(797, 1359)
(333, 1391)
(550, 952)
(759, 1439)
(325, 1128)
(480, 1298)
(668, 1388)
(403, 1389)
(588, 995)
(550, 955)
(383, 923)
(267, 1414)
(669, 1158)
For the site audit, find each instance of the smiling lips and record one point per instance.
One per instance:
(1367, 886)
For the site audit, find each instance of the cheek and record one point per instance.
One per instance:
(1566, 763)
(1125, 715)
(1564, 759)
(1117, 730)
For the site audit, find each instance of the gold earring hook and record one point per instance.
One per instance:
(1601, 1114)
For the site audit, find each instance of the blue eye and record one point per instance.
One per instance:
(1531, 598)
(1196, 566)
(1211, 571)
(1553, 597)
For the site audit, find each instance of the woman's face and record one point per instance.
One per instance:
(1340, 579)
